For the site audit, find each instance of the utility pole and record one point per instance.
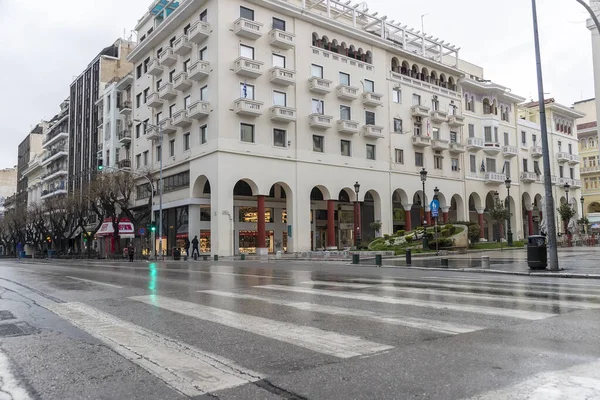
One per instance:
(549, 200)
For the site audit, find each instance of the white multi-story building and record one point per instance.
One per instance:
(114, 136)
(271, 114)
(55, 159)
(34, 173)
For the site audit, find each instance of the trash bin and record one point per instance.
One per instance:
(355, 258)
(176, 254)
(537, 258)
(243, 256)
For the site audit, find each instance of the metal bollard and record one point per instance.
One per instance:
(355, 258)
(243, 256)
(216, 257)
(204, 258)
(485, 262)
(408, 257)
(378, 260)
(444, 262)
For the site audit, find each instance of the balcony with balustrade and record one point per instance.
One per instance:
(563, 157)
(198, 110)
(248, 68)
(182, 46)
(509, 151)
(282, 76)
(536, 152)
(248, 29)
(475, 144)
(248, 107)
(198, 70)
(456, 148)
(320, 121)
(319, 85)
(348, 127)
(419, 111)
(421, 141)
(494, 178)
(373, 131)
(180, 119)
(283, 114)
(491, 148)
(438, 116)
(167, 58)
(456, 121)
(372, 99)
(199, 31)
(282, 39)
(345, 92)
(529, 177)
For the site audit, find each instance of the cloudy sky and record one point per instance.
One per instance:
(47, 43)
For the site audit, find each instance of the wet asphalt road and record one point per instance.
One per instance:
(292, 330)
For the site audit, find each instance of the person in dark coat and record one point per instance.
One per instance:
(195, 249)
(187, 247)
(130, 251)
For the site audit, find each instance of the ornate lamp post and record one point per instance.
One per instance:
(567, 187)
(509, 235)
(423, 174)
(581, 199)
(356, 217)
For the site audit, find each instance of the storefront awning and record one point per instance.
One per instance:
(126, 229)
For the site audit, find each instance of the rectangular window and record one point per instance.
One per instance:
(146, 62)
(435, 104)
(186, 141)
(172, 147)
(158, 84)
(146, 95)
(172, 41)
(346, 148)
(369, 86)
(496, 140)
(186, 29)
(138, 129)
(316, 71)
(438, 162)
(203, 133)
(572, 173)
(536, 167)
(160, 49)
(247, 13)
(158, 153)
(247, 51)
(453, 137)
(158, 118)
(278, 24)
(279, 98)
(138, 160)
(138, 71)
(506, 143)
(570, 148)
(186, 64)
(523, 137)
(490, 164)
(204, 16)
(416, 100)
(455, 164)
(507, 168)
(318, 106)
(278, 61)
(345, 113)
(471, 130)
(279, 138)
(246, 91)
(318, 143)
(559, 146)
(525, 165)
(344, 79)
(399, 153)
(369, 118)
(397, 125)
(202, 54)
(436, 133)
(472, 163)
(171, 110)
(418, 159)
(204, 92)
(138, 100)
(397, 96)
(171, 75)
(370, 152)
(561, 172)
(534, 139)
(186, 101)
(247, 133)
(487, 132)
(146, 158)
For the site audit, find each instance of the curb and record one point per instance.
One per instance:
(492, 271)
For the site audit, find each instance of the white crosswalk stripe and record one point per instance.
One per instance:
(318, 340)
(419, 323)
(505, 312)
(183, 367)
(475, 296)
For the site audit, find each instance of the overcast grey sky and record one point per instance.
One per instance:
(47, 43)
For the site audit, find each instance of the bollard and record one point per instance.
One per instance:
(444, 262)
(216, 257)
(408, 257)
(243, 256)
(204, 258)
(378, 260)
(355, 258)
(485, 262)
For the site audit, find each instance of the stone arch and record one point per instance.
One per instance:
(457, 208)
(320, 192)
(368, 57)
(395, 65)
(414, 71)
(316, 39)
(347, 195)
(201, 187)
(284, 218)
(424, 74)
(434, 77)
(241, 186)
(442, 200)
(371, 199)
(405, 68)
(526, 200)
(593, 207)
(475, 201)
(442, 80)
(400, 196)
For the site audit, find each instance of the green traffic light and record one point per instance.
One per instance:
(100, 167)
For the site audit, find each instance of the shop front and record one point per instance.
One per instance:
(246, 232)
(108, 242)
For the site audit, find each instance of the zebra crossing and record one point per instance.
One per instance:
(281, 313)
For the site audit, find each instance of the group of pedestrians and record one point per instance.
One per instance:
(195, 249)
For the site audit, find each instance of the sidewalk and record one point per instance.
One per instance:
(575, 262)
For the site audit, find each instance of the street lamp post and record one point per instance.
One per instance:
(423, 174)
(549, 200)
(436, 191)
(160, 186)
(356, 217)
(581, 199)
(509, 235)
(567, 187)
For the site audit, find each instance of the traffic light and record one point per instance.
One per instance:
(152, 227)
(48, 239)
(100, 165)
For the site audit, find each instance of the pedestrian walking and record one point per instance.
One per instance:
(131, 251)
(195, 249)
(187, 247)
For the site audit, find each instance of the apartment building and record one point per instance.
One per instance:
(56, 155)
(27, 150)
(114, 136)
(268, 119)
(587, 132)
(34, 173)
(563, 147)
(84, 117)
(8, 186)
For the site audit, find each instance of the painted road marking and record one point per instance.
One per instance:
(522, 314)
(319, 340)
(95, 282)
(418, 323)
(186, 369)
(9, 385)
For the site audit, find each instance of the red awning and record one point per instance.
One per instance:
(126, 229)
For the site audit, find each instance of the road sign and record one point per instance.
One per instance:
(142, 231)
(434, 206)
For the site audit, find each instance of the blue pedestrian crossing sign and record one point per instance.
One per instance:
(434, 206)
